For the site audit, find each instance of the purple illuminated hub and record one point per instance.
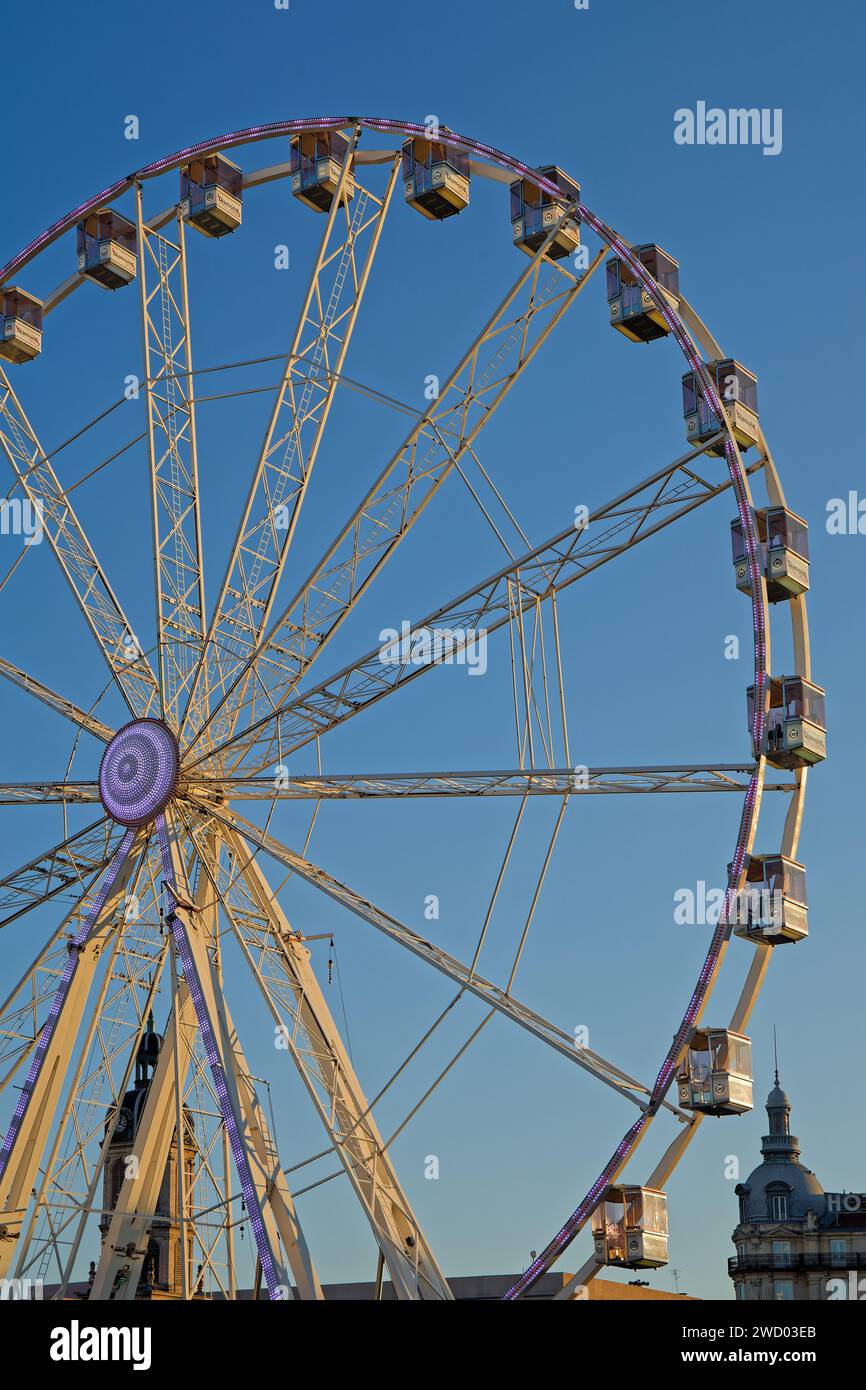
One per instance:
(138, 773)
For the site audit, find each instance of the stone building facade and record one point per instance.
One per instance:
(793, 1239)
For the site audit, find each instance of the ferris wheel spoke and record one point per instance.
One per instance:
(521, 781)
(173, 457)
(612, 529)
(22, 1012)
(83, 572)
(34, 1115)
(75, 1162)
(65, 868)
(291, 992)
(38, 793)
(290, 448)
(98, 1095)
(220, 1046)
(531, 309)
(49, 697)
(501, 1000)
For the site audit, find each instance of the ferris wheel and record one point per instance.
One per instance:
(159, 1139)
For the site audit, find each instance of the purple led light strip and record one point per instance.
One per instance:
(61, 995)
(707, 389)
(178, 930)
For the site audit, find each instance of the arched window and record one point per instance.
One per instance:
(118, 1173)
(150, 1272)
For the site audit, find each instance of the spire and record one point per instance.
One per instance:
(775, 1052)
(780, 1143)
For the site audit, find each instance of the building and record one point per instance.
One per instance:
(492, 1287)
(793, 1239)
(161, 1275)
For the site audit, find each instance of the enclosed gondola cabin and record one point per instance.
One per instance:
(784, 540)
(315, 163)
(738, 391)
(772, 906)
(20, 324)
(633, 311)
(535, 213)
(715, 1075)
(796, 728)
(630, 1228)
(435, 177)
(106, 245)
(211, 195)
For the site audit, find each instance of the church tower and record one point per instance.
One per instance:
(161, 1274)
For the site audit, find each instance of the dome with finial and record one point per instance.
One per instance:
(147, 1055)
(777, 1099)
(780, 1174)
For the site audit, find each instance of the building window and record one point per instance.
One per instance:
(779, 1206)
(740, 1291)
(839, 1253)
(783, 1290)
(118, 1173)
(781, 1251)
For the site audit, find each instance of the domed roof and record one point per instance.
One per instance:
(799, 1183)
(778, 1097)
(781, 1173)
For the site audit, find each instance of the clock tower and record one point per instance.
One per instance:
(161, 1274)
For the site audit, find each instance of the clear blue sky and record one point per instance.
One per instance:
(768, 254)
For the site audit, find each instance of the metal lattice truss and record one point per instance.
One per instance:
(101, 609)
(169, 395)
(360, 786)
(175, 907)
(49, 697)
(289, 451)
(66, 868)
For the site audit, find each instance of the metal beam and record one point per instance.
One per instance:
(198, 969)
(38, 793)
(39, 1098)
(49, 697)
(171, 432)
(90, 587)
(65, 867)
(280, 1204)
(73, 1167)
(591, 781)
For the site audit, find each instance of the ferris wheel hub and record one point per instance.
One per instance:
(139, 771)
